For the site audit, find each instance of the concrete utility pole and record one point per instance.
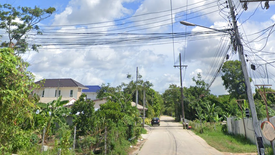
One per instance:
(239, 45)
(181, 90)
(136, 86)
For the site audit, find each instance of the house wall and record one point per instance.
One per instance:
(91, 95)
(79, 92)
(99, 102)
(49, 93)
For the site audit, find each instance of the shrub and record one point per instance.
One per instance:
(147, 121)
(224, 129)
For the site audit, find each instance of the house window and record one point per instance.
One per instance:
(71, 93)
(55, 93)
(59, 92)
(43, 92)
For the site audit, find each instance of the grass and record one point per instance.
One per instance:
(226, 142)
(143, 131)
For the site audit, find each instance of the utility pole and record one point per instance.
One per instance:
(136, 86)
(239, 45)
(143, 104)
(181, 91)
(266, 5)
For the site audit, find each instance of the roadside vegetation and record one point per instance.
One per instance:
(26, 124)
(216, 136)
(117, 124)
(203, 108)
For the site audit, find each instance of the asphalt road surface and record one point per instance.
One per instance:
(170, 139)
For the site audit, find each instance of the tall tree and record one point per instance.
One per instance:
(171, 100)
(17, 22)
(16, 101)
(83, 110)
(196, 96)
(233, 78)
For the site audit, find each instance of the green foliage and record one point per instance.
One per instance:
(261, 110)
(269, 96)
(225, 142)
(196, 97)
(54, 113)
(116, 119)
(143, 131)
(16, 102)
(84, 144)
(85, 120)
(65, 140)
(147, 121)
(233, 78)
(224, 129)
(17, 30)
(171, 101)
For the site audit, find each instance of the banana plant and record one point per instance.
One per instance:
(56, 112)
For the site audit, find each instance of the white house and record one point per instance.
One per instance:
(91, 92)
(51, 89)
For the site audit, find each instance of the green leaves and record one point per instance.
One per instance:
(16, 101)
(84, 115)
(18, 22)
(232, 78)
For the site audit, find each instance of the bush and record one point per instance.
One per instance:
(224, 129)
(203, 127)
(84, 144)
(147, 121)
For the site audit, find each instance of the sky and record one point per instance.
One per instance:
(101, 41)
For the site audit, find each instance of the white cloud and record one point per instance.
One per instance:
(273, 18)
(87, 11)
(111, 63)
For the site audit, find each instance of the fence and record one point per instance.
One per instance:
(237, 127)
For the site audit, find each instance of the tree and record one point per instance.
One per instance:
(16, 101)
(56, 113)
(171, 101)
(84, 113)
(195, 97)
(117, 117)
(269, 95)
(233, 78)
(17, 22)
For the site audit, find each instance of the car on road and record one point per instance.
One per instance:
(155, 120)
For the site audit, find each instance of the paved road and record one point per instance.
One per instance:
(170, 139)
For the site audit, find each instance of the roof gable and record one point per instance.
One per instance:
(60, 83)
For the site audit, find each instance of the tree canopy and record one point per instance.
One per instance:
(233, 78)
(18, 21)
(16, 101)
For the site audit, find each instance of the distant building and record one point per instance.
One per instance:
(51, 89)
(91, 92)
(139, 107)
